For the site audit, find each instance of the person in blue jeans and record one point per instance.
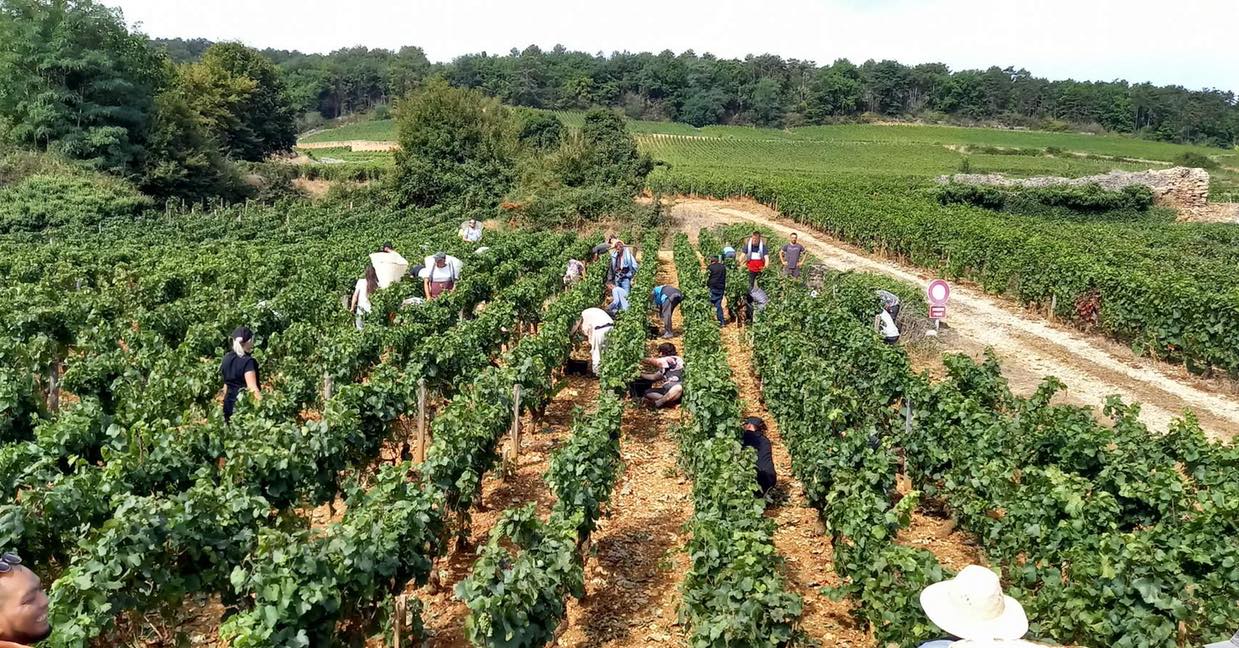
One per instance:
(716, 281)
(666, 298)
(624, 265)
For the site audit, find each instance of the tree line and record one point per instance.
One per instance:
(79, 84)
(762, 90)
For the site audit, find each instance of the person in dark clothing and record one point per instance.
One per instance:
(717, 283)
(666, 298)
(755, 437)
(239, 370)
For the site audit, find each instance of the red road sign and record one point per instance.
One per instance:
(937, 312)
(938, 292)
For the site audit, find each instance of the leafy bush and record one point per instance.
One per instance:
(41, 201)
(1195, 160)
(456, 146)
(969, 194)
(1090, 198)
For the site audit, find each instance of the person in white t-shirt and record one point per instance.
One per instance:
(471, 231)
(594, 324)
(884, 324)
(360, 304)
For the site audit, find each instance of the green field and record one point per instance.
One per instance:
(869, 149)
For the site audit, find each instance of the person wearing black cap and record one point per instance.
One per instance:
(239, 370)
(755, 437)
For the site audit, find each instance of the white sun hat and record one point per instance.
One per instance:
(1232, 643)
(972, 606)
(994, 643)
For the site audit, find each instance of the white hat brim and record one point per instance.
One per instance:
(936, 600)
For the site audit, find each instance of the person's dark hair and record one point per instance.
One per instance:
(666, 349)
(756, 233)
(372, 280)
(385, 247)
(758, 424)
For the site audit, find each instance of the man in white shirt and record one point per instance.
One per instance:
(595, 325)
(471, 231)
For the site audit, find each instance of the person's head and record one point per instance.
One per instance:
(754, 424)
(372, 279)
(666, 349)
(242, 340)
(23, 603)
(756, 235)
(440, 259)
(794, 237)
(972, 606)
(386, 247)
(718, 258)
(473, 222)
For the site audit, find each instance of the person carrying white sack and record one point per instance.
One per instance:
(972, 607)
(389, 266)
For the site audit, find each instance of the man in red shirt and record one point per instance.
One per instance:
(754, 252)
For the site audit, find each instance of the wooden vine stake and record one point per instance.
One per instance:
(401, 605)
(329, 385)
(53, 387)
(514, 449)
(421, 420)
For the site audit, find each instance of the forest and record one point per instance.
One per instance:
(760, 90)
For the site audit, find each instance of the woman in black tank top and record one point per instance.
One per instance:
(239, 370)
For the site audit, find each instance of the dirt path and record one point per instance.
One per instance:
(633, 579)
(799, 536)
(1029, 346)
(356, 145)
(444, 614)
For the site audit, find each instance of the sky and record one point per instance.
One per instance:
(1185, 42)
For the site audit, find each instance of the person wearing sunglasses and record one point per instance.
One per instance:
(23, 605)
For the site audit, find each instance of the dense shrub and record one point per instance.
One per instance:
(1195, 160)
(1087, 199)
(38, 191)
(456, 147)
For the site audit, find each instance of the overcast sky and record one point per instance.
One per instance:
(1185, 42)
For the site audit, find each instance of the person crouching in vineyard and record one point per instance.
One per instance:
(574, 273)
(23, 605)
(664, 385)
(884, 324)
(666, 298)
(239, 370)
(716, 281)
(755, 437)
(973, 608)
(617, 299)
(441, 276)
(360, 306)
(594, 324)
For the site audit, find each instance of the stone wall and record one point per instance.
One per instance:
(1179, 187)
